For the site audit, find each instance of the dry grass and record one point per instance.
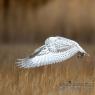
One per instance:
(46, 80)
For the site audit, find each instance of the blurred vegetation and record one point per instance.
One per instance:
(34, 20)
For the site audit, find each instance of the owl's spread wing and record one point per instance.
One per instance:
(44, 56)
(37, 51)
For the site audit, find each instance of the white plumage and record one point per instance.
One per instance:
(56, 49)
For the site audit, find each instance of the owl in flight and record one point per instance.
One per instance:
(55, 49)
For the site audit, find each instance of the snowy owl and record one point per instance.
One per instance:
(56, 49)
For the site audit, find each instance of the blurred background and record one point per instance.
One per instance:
(32, 21)
(25, 24)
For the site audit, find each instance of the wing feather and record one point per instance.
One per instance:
(46, 57)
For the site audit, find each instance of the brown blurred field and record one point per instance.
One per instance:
(46, 80)
(26, 23)
(34, 20)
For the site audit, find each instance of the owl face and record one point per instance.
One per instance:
(81, 55)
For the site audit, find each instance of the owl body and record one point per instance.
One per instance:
(56, 49)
